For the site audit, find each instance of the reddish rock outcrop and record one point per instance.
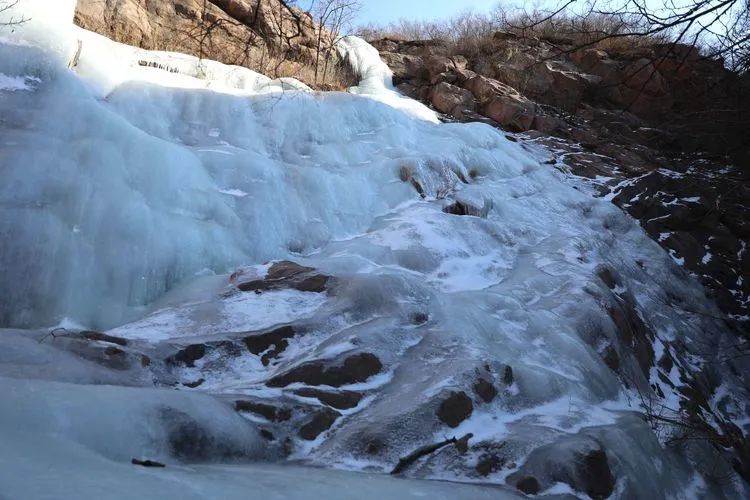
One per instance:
(240, 32)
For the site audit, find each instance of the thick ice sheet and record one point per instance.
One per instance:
(123, 183)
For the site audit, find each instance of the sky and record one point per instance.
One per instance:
(385, 11)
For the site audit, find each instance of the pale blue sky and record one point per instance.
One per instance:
(385, 11)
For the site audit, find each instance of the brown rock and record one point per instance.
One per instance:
(462, 75)
(435, 65)
(596, 475)
(321, 422)
(643, 76)
(194, 384)
(278, 339)
(485, 88)
(456, 408)
(248, 28)
(546, 123)
(341, 400)
(286, 269)
(188, 356)
(267, 411)
(528, 485)
(502, 103)
(448, 98)
(147, 463)
(513, 112)
(612, 359)
(405, 67)
(355, 369)
(488, 464)
(485, 390)
(286, 274)
(634, 333)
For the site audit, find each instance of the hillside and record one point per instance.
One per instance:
(658, 129)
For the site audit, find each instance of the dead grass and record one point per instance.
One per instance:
(337, 77)
(473, 35)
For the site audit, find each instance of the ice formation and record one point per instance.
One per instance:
(135, 183)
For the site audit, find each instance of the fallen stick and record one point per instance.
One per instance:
(462, 445)
(147, 463)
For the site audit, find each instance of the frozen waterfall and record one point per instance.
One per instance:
(134, 183)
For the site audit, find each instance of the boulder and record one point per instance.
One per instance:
(525, 73)
(596, 476)
(485, 88)
(188, 355)
(597, 62)
(278, 339)
(546, 123)
(454, 409)
(449, 99)
(267, 411)
(502, 103)
(485, 390)
(576, 460)
(191, 440)
(320, 422)
(516, 113)
(435, 65)
(528, 485)
(489, 463)
(463, 208)
(462, 75)
(285, 274)
(249, 28)
(405, 67)
(355, 369)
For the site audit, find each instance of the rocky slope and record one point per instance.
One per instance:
(264, 35)
(625, 120)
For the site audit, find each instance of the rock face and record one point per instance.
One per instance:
(658, 84)
(701, 217)
(502, 103)
(450, 99)
(241, 32)
(612, 115)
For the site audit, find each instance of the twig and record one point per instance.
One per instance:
(404, 463)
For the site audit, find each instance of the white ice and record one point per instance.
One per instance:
(128, 191)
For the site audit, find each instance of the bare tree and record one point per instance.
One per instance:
(5, 6)
(720, 27)
(334, 18)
